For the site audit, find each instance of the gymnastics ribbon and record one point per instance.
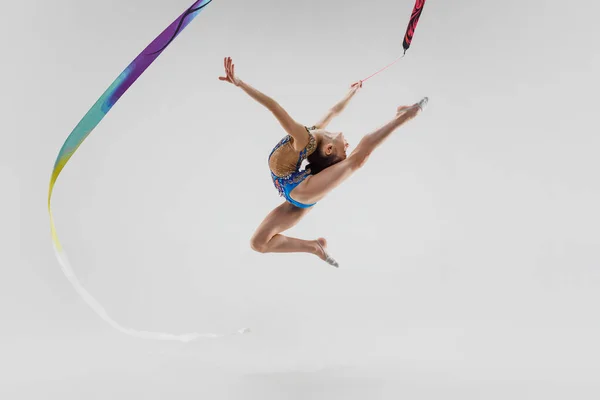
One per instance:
(81, 132)
(412, 24)
(408, 36)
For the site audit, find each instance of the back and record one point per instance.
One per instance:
(285, 160)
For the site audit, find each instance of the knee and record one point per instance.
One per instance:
(258, 244)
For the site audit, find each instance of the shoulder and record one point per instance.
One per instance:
(306, 141)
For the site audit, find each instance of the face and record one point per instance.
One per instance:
(335, 143)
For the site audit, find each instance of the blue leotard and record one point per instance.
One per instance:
(285, 169)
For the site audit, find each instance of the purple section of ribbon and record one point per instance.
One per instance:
(153, 50)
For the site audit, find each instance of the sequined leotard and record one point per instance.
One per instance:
(285, 163)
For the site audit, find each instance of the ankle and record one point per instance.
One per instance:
(315, 248)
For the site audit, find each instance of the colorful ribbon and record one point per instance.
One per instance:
(99, 110)
(412, 23)
(81, 132)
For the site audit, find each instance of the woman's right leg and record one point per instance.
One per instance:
(315, 187)
(268, 238)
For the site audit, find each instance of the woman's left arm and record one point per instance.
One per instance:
(339, 107)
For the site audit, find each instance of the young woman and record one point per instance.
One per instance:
(328, 166)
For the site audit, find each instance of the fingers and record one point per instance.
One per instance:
(357, 85)
(229, 70)
(226, 64)
(226, 77)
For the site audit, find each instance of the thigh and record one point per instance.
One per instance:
(282, 218)
(315, 187)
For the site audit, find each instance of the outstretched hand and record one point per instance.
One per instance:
(355, 86)
(230, 72)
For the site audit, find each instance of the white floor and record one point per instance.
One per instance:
(427, 363)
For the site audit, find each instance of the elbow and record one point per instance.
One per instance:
(274, 107)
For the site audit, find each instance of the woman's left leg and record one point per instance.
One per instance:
(268, 237)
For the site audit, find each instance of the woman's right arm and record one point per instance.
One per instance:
(291, 126)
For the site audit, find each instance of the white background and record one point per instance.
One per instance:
(468, 245)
